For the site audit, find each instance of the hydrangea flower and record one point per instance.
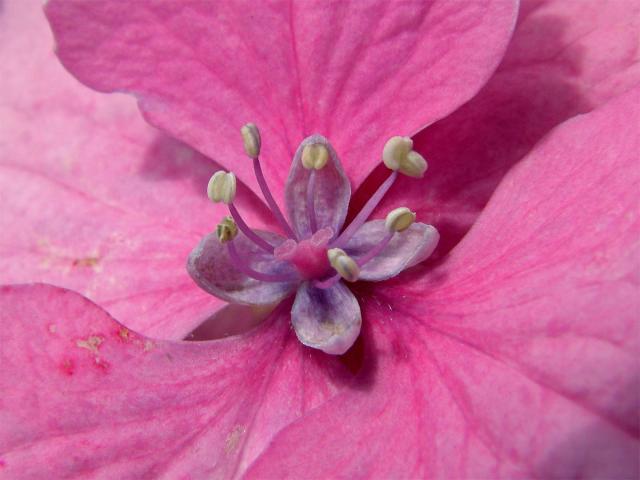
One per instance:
(241, 265)
(513, 355)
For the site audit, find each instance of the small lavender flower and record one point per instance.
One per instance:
(253, 267)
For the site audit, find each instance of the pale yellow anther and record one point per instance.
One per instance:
(226, 230)
(398, 154)
(222, 187)
(399, 220)
(315, 156)
(251, 140)
(346, 266)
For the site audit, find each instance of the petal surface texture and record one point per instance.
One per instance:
(565, 58)
(327, 319)
(83, 396)
(356, 72)
(405, 249)
(518, 356)
(210, 267)
(93, 199)
(331, 191)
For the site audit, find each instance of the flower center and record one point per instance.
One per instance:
(316, 256)
(309, 256)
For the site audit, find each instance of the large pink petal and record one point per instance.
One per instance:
(356, 72)
(518, 357)
(92, 198)
(565, 58)
(84, 396)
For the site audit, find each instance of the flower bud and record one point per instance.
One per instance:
(315, 156)
(399, 220)
(397, 154)
(222, 187)
(226, 230)
(251, 140)
(346, 266)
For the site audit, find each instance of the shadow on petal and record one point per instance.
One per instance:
(593, 451)
(230, 320)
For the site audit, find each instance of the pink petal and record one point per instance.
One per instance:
(518, 357)
(406, 249)
(214, 271)
(566, 58)
(92, 198)
(357, 73)
(82, 396)
(331, 192)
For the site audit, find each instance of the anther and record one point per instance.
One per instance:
(251, 140)
(398, 155)
(346, 266)
(399, 220)
(315, 156)
(222, 187)
(226, 230)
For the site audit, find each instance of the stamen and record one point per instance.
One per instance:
(252, 144)
(375, 251)
(222, 187)
(251, 140)
(362, 217)
(346, 266)
(271, 201)
(311, 208)
(244, 228)
(398, 154)
(240, 264)
(226, 230)
(399, 219)
(314, 156)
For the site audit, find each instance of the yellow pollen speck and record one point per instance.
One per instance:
(233, 440)
(86, 262)
(124, 333)
(92, 343)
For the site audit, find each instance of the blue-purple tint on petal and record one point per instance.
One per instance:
(332, 191)
(212, 269)
(405, 249)
(326, 319)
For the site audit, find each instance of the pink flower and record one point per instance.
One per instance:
(514, 354)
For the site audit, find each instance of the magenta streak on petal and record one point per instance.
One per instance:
(266, 246)
(311, 208)
(240, 264)
(357, 222)
(270, 200)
